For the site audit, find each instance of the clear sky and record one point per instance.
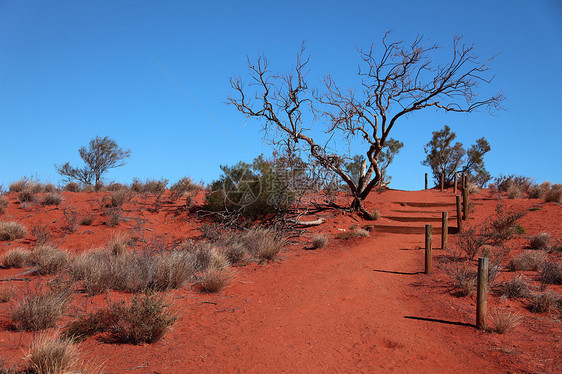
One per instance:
(71, 70)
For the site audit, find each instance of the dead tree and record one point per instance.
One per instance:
(398, 81)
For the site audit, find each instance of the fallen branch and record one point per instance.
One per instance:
(319, 221)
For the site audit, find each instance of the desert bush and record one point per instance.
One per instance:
(515, 288)
(18, 186)
(473, 188)
(504, 182)
(41, 233)
(182, 187)
(118, 243)
(37, 310)
(540, 241)
(208, 256)
(72, 187)
(550, 273)
(514, 192)
(144, 320)
(554, 194)
(6, 294)
(113, 215)
(94, 269)
(52, 355)
(213, 280)
(26, 196)
(528, 260)
(3, 204)
(52, 198)
(17, 258)
(120, 197)
(235, 252)
(173, 270)
(263, 244)
(49, 188)
(504, 321)
(319, 241)
(87, 220)
(470, 242)
(50, 259)
(153, 186)
(464, 278)
(10, 230)
(545, 302)
(115, 186)
(502, 227)
(375, 215)
(538, 191)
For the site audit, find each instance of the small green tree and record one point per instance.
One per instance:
(390, 149)
(446, 158)
(101, 155)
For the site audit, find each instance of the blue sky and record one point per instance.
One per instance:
(71, 70)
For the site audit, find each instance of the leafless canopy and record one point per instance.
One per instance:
(397, 80)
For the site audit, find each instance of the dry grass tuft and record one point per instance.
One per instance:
(11, 231)
(264, 244)
(52, 198)
(52, 355)
(18, 186)
(3, 204)
(515, 288)
(319, 241)
(17, 258)
(213, 280)
(235, 252)
(174, 270)
(504, 321)
(87, 220)
(26, 196)
(119, 243)
(545, 302)
(528, 260)
(37, 310)
(6, 294)
(550, 273)
(540, 241)
(514, 192)
(72, 187)
(554, 194)
(120, 197)
(50, 259)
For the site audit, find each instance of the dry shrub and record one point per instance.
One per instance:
(213, 280)
(116, 187)
(52, 355)
(72, 187)
(42, 234)
(235, 252)
(464, 278)
(120, 197)
(52, 198)
(183, 187)
(504, 321)
(515, 288)
(6, 294)
(3, 204)
(514, 192)
(119, 243)
(554, 194)
(473, 188)
(545, 302)
(538, 191)
(18, 186)
(17, 258)
(37, 310)
(50, 259)
(144, 320)
(26, 196)
(149, 186)
(94, 268)
(528, 260)
(264, 244)
(470, 242)
(11, 231)
(208, 256)
(550, 273)
(71, 217)
(319, 241)
(87, 220)
(173, 270)
(540, 241)
(374, 215)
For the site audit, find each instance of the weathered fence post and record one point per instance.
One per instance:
(459, 213)
(444, 229)
(465, 204)
(426, 181)
(456, 180)
(442, 184)
(482, 293)
(428, 238)
(463, 180)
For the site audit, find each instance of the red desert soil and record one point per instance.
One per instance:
(357, 305)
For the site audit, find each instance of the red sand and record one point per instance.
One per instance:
(359, 305)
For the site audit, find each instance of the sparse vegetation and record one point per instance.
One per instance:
(263, 244)
(17, 258)
(545, 302)
(213, 280)
(72, 187)
(554, 194)
(52, 198)
(6, 294)
(119, 243)
(515, 288)
(3, 204)
(152, 186)
(50, 259)
(11, 231)
(319, 241)
(87, 220)
(42, 234)
(528, 260)
(26, 196)
(52, 355)
(550, 273)
(514, 192)
(18, 186)
(464, 278)
(504, 321)
(120, 197)
(540, 241)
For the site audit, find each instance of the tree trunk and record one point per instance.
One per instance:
(357, 206)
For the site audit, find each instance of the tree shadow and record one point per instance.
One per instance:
(397, 272)
(441, 321)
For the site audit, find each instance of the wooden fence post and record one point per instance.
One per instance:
(463, 180)
(442, 184)
(465, 204)
(444, 229)
(426, 181)
(428, 264)
(456, 180)
(459, 213)
(482, 293)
